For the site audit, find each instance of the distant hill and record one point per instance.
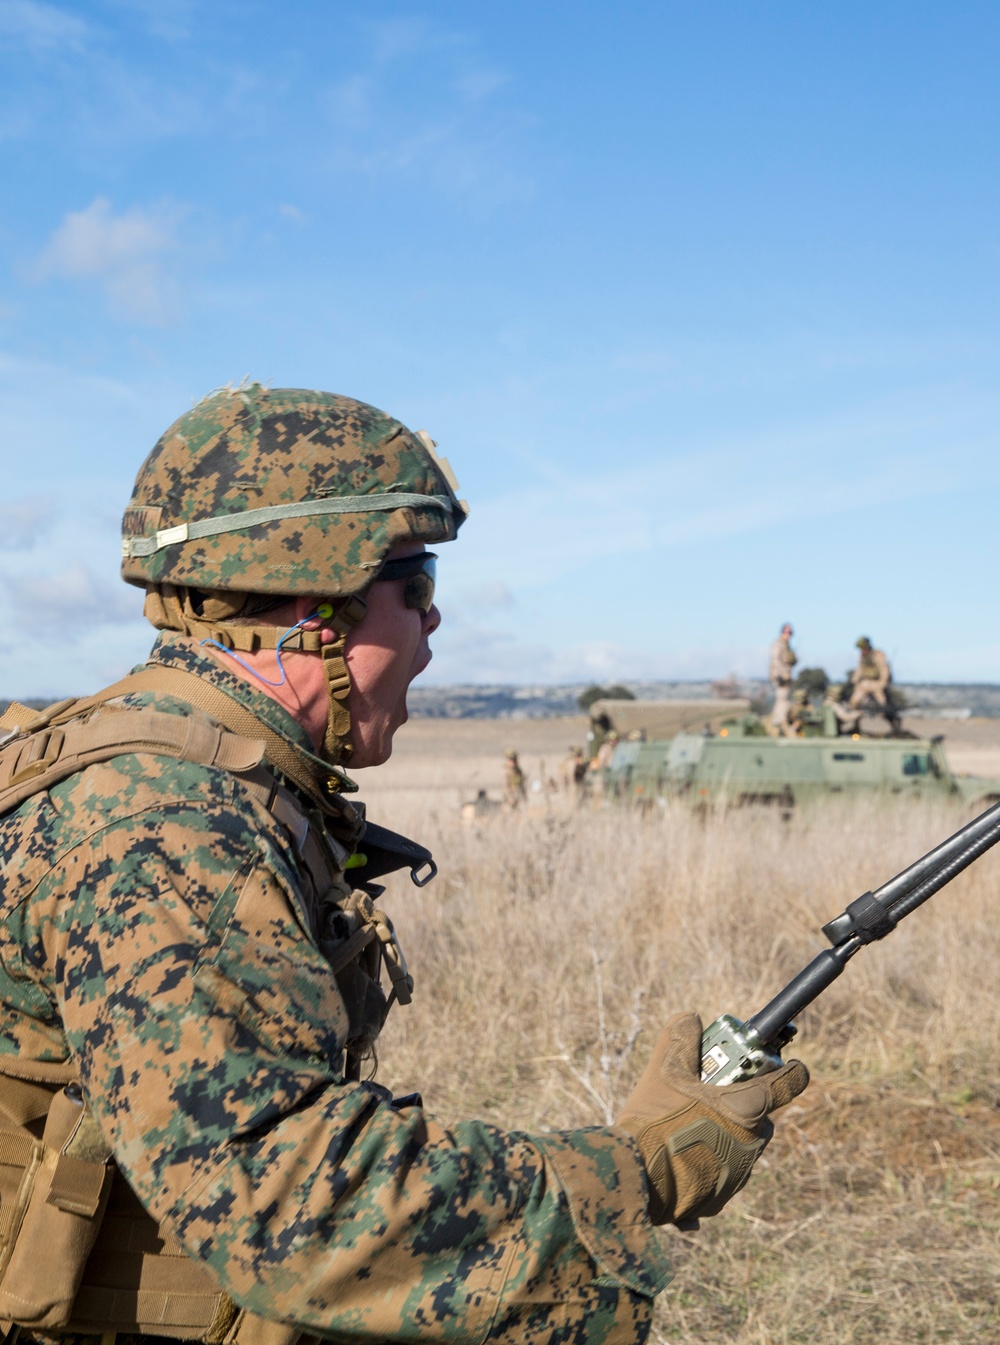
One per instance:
(541, 702)
(469, 701)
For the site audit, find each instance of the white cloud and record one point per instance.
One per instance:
(24, 521)
(71, 602)
(122, 253)
(39, 27)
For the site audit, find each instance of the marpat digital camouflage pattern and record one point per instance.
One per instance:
(249, 449)
(161, 932)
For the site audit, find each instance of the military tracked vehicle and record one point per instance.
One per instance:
(739, 762)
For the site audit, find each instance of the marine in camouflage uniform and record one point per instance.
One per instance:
(782, 660)
(191, 966)
(514, 787)
(872, 675)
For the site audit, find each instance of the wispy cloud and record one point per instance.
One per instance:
(170, 20)
(492, 594)
(682, 499)
(24, 521)
(39, 27)
(460, 138)
(476, 650)
(73, 602)
(125, 254)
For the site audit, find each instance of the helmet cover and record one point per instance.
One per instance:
(283, 491)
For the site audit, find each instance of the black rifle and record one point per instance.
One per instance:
(732, 1050)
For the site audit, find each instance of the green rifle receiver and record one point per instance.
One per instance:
(731, 1050)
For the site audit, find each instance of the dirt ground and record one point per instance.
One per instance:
(456, 757)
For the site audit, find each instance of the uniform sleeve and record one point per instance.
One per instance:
(209, 1031)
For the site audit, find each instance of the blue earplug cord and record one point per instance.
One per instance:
(323, 611)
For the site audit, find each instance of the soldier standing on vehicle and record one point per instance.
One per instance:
(783, 660)
(871, 677)
(191, 957)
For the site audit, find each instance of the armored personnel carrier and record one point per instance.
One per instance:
(739, 762)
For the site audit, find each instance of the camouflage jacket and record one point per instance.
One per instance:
(873, 666)
(156, 933)
(783, 660)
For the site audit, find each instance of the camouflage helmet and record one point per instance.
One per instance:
(283, 491)
(257, 495)
(863, 642)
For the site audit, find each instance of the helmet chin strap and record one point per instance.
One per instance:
(336, 747)
(169, 607)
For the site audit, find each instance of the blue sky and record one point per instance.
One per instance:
(701, 301)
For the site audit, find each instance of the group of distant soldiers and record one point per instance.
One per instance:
(580, 774)
(575, 774)
(869, 682)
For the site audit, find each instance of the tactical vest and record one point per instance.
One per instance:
(868, 668)
(78, 1251)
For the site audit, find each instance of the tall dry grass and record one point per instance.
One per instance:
(556, 942)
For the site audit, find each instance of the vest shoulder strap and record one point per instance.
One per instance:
(204, 696)
(37, 760)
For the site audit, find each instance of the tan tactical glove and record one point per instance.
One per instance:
(698, 1141)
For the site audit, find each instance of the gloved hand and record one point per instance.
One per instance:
(698, 1141)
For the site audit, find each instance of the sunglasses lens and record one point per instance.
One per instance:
(419, 571)
(419, 591)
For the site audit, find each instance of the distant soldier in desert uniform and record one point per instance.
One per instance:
(783, 660)
(799, 713)
(195, 964)
(871, 677)
(514, 784)
(605, 752)
(573, 772)
(847, 720)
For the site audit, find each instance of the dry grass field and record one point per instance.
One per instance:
(557, 939)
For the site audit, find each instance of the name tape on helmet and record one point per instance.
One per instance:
(250, 518)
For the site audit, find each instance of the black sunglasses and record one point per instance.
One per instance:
(420, 573)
